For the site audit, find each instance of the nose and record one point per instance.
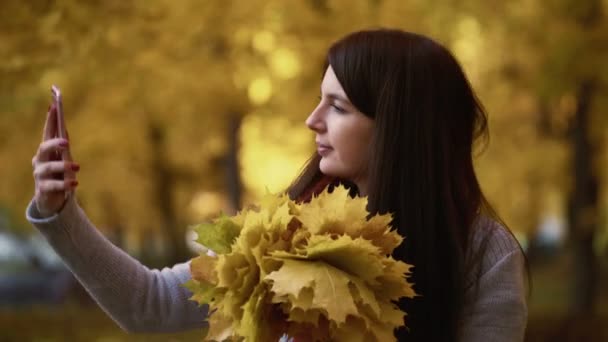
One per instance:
(316, 121)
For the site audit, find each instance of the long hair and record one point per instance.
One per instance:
(427, 120)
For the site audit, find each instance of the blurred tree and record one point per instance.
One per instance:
(167, 100)
(573, 74)
(556, 56)
(154, 93)
(135, 79)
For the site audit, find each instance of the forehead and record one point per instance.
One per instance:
(331, 84)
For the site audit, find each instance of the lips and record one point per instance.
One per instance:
(323, 149)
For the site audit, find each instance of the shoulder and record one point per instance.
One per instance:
(495, 262)
(491, 242)
(496, 307)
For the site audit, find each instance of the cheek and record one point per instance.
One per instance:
(356, 155)
(354, 151)
(351, 138)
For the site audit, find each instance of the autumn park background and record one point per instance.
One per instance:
(181, 109)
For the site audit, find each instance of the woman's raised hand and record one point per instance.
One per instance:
(54, 169)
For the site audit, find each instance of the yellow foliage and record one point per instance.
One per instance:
(321, 269)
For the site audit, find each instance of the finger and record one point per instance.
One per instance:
(50, 126)
(66, 154)
(48, 149)
(60, 121)
(48, 169)
(51, 185)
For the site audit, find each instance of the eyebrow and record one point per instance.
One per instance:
(337, 97)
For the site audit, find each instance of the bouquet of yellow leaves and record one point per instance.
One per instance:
(321, 270)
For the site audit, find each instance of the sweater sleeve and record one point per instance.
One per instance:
(498, 311)
(136, 298)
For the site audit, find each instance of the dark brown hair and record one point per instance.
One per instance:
(427, 119)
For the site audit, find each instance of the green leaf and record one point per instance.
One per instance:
(219, 235)
(202, 293)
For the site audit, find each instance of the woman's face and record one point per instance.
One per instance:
(343, 133)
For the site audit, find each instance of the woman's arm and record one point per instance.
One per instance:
(137, 298)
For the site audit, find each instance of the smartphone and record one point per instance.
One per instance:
(61, 130)
(56, 94)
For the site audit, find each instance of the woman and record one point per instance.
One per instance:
(397, 121)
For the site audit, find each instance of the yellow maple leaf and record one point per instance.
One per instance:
(255, 311)
(357, 256)
(319, 270)
(202, 293)
(305, 316)
(334, 213)
(353, 330)
(378, 230)
(202, 268)
(304, 299)
(365, 297)
(220, 328)
(273, 202)
(331, 292)
(392, 285)
(227, 266)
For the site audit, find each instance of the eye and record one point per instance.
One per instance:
(332, 105)
(338, 108)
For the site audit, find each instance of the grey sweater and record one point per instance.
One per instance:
(144, 300)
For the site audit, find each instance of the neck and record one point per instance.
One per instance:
(361, 186)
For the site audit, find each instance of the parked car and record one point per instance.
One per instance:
(31, 272)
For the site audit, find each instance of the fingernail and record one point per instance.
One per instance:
(74, 183)
(75, 167)
(63, 143)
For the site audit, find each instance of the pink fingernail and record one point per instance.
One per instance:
(75, 167)
(64, 143)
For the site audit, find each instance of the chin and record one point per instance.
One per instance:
(328, 168)
(325, 169)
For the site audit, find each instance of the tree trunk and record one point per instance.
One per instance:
(233, 170)
(165, 182)
(115, 228)
(583, 203)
